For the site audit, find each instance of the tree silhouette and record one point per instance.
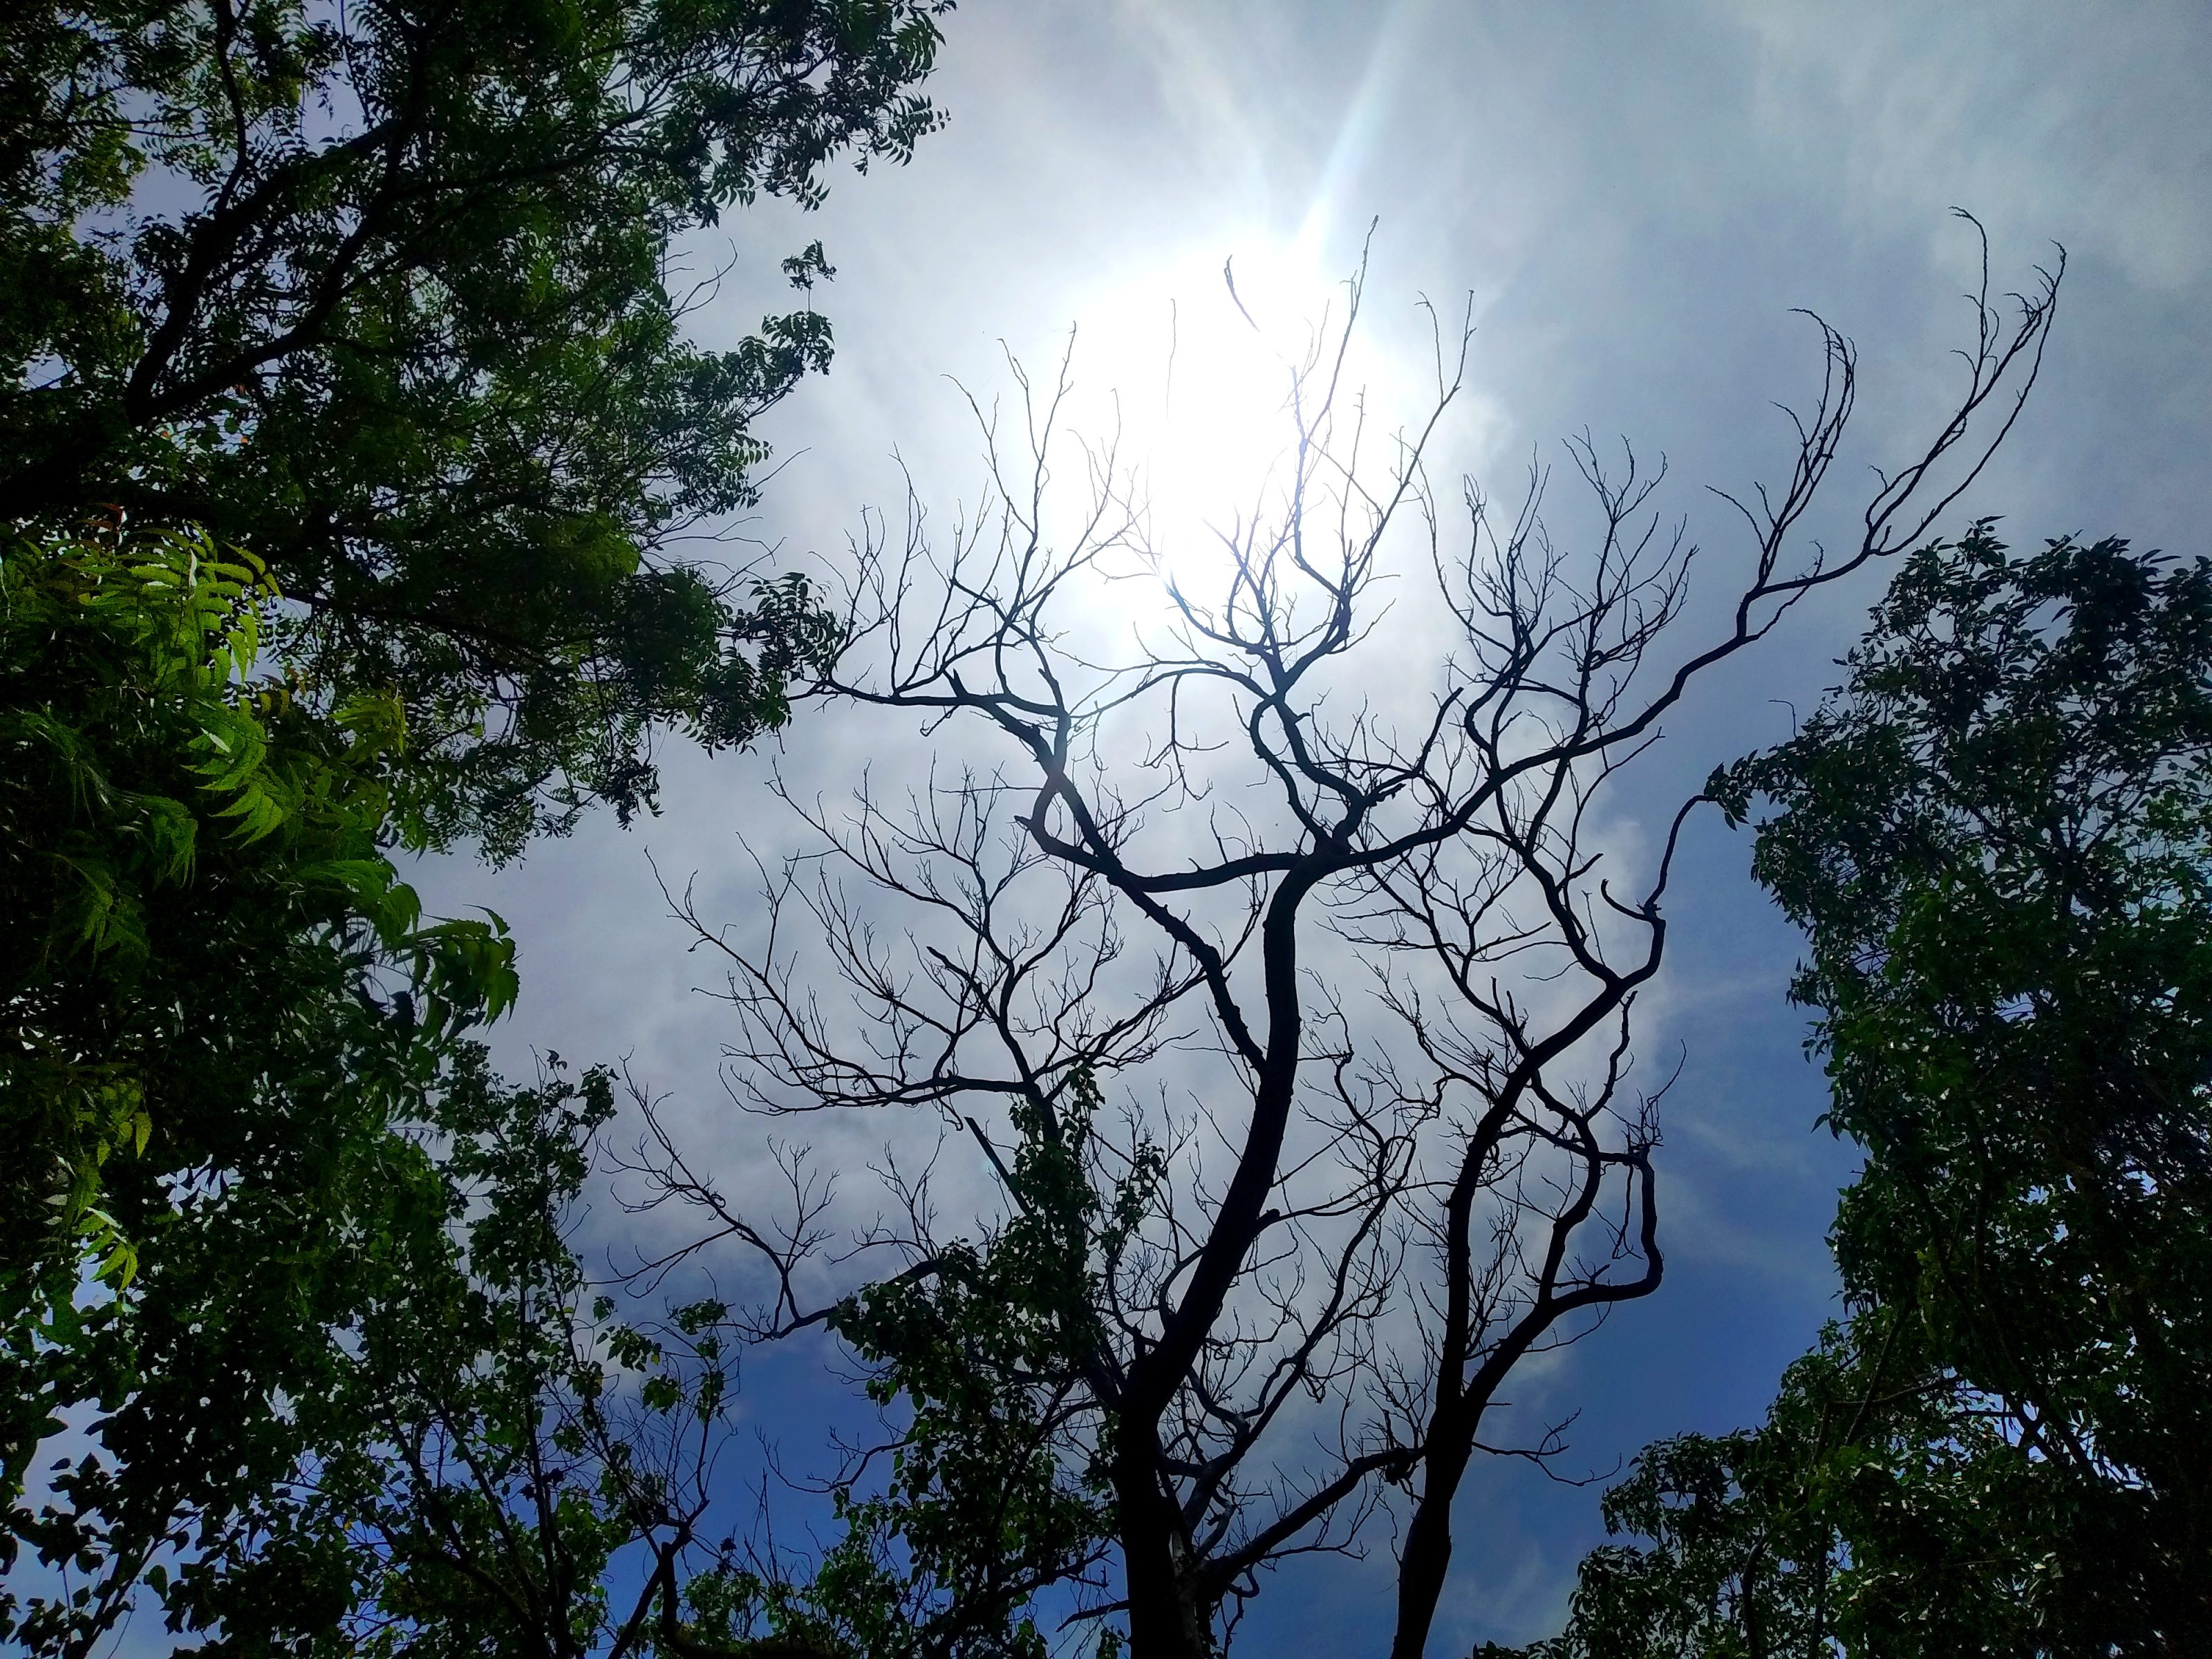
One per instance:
(1357, 982)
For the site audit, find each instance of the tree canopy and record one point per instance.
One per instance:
(360, 333)
(294, 1264)
(202, 906)
(216, 1000)
(1996, 836)
(393, 294)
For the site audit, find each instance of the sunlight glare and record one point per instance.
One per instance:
(1199, 379)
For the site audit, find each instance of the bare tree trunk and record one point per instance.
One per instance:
(1165, 1621)
(1423, 1564)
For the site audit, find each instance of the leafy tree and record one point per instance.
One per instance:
(1996, 835)
(201, 906)
(214, 998)
(984, 1347)
(273, 1225)
(481, 1457)
(457, 1481)
(389, 293)
(1877, 1509)
(393, 293)
(949, 1528)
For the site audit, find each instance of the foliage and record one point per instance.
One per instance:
(453, 1489)
(217, 996)
(180, 840)
(1877, 1510)
(342, 1382)
(985, 1351)
(394, 294)
(441, 1465)
(475, 1455)
(1997, 839)
(1725, 1578)
(977, 1349)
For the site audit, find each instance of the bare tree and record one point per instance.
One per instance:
(1347, 953)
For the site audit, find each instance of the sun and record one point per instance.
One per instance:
(1197, 352)
(1186, 360)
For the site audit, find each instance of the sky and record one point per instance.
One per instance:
(1629, 201)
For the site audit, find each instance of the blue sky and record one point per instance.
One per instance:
(1632, 197)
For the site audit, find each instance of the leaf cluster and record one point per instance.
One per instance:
(181, 830)
(217, 1001)
(988, 1497)
(394, 295)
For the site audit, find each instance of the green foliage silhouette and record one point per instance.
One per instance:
(1998, 838)
(394, 295)
(218, 1000)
